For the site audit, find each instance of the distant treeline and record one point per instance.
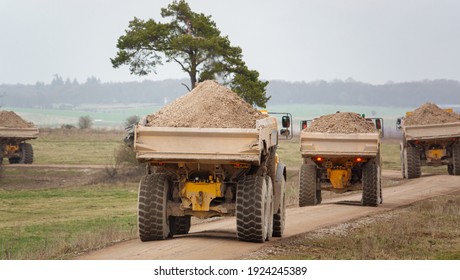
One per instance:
(68, 94)
(350, 92)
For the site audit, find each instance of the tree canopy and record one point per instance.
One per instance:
(193, 41)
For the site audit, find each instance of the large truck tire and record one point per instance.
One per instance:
(27, 152)
(254, 209)
(371, 184)
(319, 197)
(153, 221)
(412, 164)
(456, 159)
(279, 216)
(308, 185)
(271, 164)
(403, 160)
(450, 169)
(179, 224)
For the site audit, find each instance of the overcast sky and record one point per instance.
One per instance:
(373, 41)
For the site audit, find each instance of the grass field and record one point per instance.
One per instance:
(65, 146)
(55, 213)
(58, 222)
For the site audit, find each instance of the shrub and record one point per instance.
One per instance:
(131, 120)
(85, 122)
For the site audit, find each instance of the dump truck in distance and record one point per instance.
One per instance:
(347, 161)
(209, 172)
(13, 145)
(435, 144)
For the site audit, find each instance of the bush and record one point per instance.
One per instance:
(125, 155)
(131, 120)
(85, 122)
(67, 126)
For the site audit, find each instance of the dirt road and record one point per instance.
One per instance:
(217, 239)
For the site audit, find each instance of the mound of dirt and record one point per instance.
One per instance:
(11, 120)
(343, 122)
(430, 113)
(208, 105)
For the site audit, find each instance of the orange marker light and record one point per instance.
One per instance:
(359, 159)
(319, 159)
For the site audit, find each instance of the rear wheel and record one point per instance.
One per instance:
(254, 209)
(279, 218)
(153, 221)
(27, 152)
(308, 185)
(371, 185)
(412, 163)
(456, 159)
(179, 224)
(403, 160)
(450, 169)
(319, 197)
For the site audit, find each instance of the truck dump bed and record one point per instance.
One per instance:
(336, 145)
(205, 145)
(7, 133)
(432, 131)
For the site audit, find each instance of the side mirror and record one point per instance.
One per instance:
(286, 121)
(378, 124)
(398, 123)
(303, 124)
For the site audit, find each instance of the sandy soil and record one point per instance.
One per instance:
(12, 120)
(220, 235)
(208, 105)
(341, 122)
(430, 113)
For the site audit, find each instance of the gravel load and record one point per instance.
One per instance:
(430, 113)
(343, 122)
(10, 119)
(208, 105)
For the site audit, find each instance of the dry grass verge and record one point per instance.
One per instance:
(426, 230)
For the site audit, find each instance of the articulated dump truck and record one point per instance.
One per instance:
(340, 162)
(431, 137)
(13, 144)
(210, 172)
(430, 145)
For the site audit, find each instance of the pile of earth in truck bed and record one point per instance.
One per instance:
(343, 122)
(10, 119)
(208, 105)
(430, 113)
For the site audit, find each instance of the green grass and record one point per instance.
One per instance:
(53, 223)
(390, 156)
(289, 153)
(76, 147)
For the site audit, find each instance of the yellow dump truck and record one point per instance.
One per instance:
(340, 163)
(209, 172)
(13, 144)
(429, 145)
